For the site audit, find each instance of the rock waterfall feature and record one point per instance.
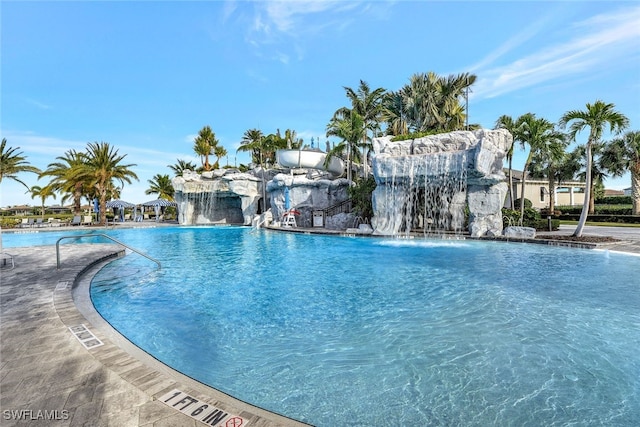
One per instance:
(223, 196)
(432, 183)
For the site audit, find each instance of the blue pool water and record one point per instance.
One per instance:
(372, 332)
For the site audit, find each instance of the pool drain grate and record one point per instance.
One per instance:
(85, 336)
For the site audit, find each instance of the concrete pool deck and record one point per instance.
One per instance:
(62, 365)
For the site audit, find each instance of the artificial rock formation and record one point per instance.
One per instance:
(428, 182)
(222, 196)
(305, 195)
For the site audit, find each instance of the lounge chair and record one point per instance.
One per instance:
(88, 220)
(77, 220)
(39, 222)
(27, 223)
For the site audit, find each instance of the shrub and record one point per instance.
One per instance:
(361, 197)
(527, 204)
(9, 222)
(530, 219)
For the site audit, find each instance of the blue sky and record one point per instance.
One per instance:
(146, 76)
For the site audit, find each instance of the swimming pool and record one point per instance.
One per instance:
(334, 330)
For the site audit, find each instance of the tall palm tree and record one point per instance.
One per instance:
(507, 122)
(621, 155)
(204, 144)
(349, 128)
(252, 141)
(548, 161)
(394, 114)
(453, 88)
(66, 179)
(161, 185)
(595, 117)
(12, 162)
(182, 165)
(44, 193)
(540, 135)
(369, 105)
(102, 167)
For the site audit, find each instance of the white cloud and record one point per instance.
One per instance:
(38, 104)
(287, 23)
(598, 41)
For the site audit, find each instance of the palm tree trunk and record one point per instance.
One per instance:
(587, 194)
(635, 192)
(511, 198)
(524, 177)
(552, 194)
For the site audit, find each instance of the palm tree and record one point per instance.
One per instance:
(252, 141)
(219, 151)
(66, 178)
(161, 185)
(541, 137)
(595, 117)
(204, 144)
(431, 103)
(507, 122)
(12, 162)
(369, 105)
(349, 129)
(548, 162)
(102, 167)
(621, 155)
(292, 140)
(43, 193)
(393, 113)
(598, 174)
(182, 165)
(453, 114)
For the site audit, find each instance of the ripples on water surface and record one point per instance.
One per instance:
(374, 332)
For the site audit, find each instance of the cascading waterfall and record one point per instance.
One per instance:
(426, 194)
(204, 203)
(435, 183)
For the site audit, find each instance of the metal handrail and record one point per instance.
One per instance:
(342, 207)
(100, 235)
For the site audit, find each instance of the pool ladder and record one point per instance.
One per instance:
(100, 235)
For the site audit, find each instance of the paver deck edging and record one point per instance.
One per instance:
(141, 369)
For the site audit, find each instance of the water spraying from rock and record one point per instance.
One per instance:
(447, 183)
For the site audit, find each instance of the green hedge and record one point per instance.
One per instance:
(614, 200)
(622, 219)
(600, 210)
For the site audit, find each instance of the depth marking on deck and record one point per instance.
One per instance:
(200, 411)
(85, 336)
(62, 285)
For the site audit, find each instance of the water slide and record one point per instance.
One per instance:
(309, 160)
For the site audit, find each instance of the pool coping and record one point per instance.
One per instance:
(131, 355)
